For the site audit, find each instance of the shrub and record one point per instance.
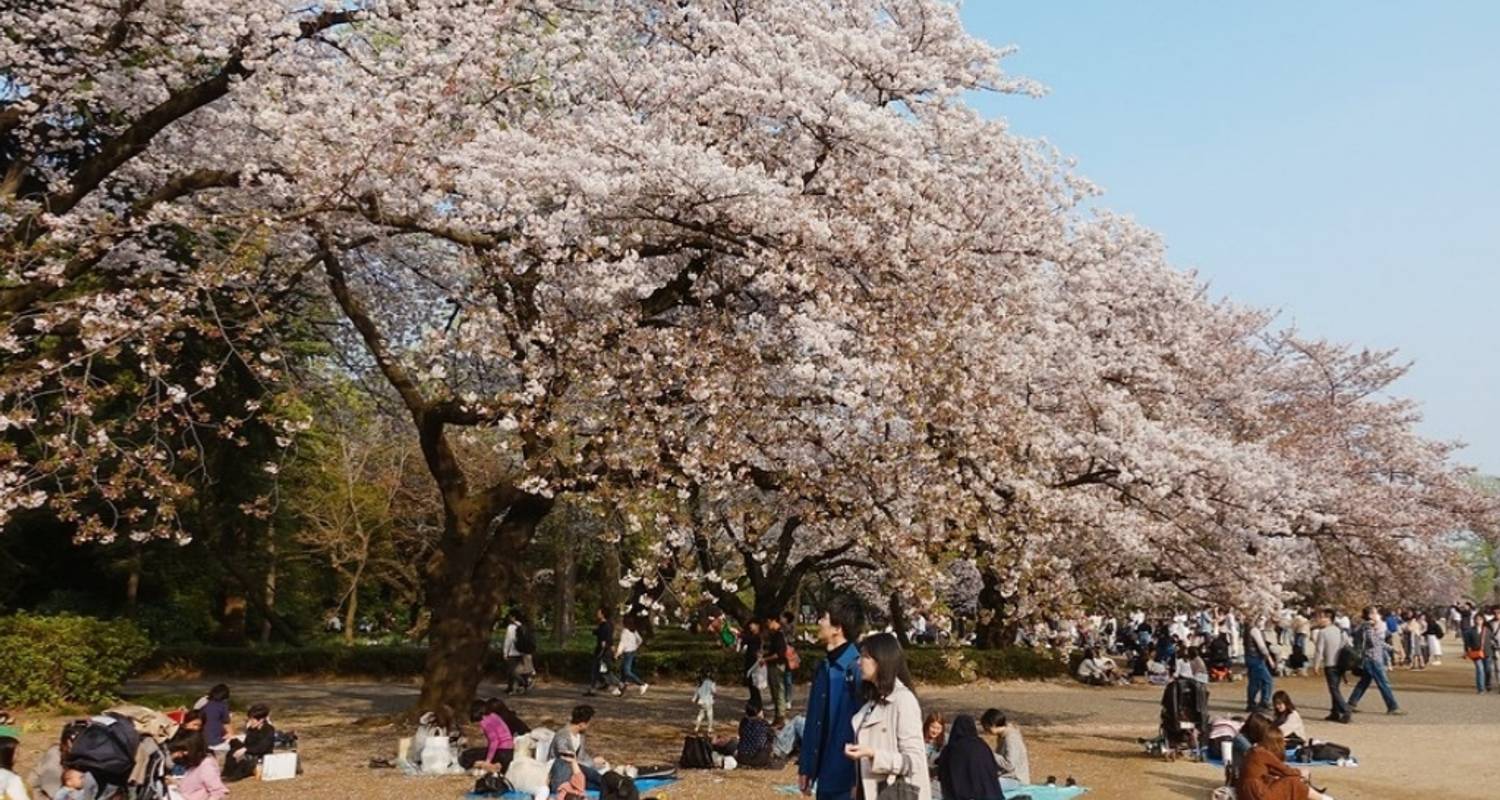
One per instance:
(659, 660)
(49, 661)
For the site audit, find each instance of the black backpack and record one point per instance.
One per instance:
(492, 783)
(1322, 751)
(525, 641)
(105, 749)
(697, 753)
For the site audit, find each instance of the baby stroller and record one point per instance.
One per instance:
(1184, 717)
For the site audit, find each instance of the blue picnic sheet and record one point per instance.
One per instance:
(1037, 792)
(642, 785)
(1215, 759)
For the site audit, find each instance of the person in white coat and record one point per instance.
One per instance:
(888, 744)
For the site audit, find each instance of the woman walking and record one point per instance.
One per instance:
(889, 746)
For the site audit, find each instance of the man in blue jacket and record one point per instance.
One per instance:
(832, 703)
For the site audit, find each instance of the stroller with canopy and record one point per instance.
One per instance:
(1184, 717)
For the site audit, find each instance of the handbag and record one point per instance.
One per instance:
(1474, 655)
(899, 788)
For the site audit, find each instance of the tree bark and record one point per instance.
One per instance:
(475, 567)
(609, 589)
(567, 591)
(994, 628)
(898, 619)
(351, 609)
(265, 624)
(133, 580)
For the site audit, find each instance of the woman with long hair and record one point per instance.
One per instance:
(1287, 720)
(888, 729)
(1266, 776)
(202, 781)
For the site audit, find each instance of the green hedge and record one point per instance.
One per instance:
(53, 660)
(670, 660)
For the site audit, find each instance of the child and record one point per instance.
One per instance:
(703, 698)
(72, 786)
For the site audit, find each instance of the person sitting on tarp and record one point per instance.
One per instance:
(258, 742)
(570, 740)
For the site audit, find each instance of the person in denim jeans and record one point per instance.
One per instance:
(1490, 646)
(1375, 651)
(1475, 637)
(1258, 665)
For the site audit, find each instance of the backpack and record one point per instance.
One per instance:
(1322, 751)
(618, 787)
(525, 641)
(105, 749)
(697, 753)
(491, 783)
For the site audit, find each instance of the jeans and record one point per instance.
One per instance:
(562, 771)
(1262, 685)
(789, 737)
(1334, 678)
(786, 687)
(1374, 672)
(602, 676)
(627, 670)
(777, 684)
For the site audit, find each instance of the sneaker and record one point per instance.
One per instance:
(644, 687)
(1331, 718)
(1396, 712)
(616, 691)
(1344, 720)
(1353, 709)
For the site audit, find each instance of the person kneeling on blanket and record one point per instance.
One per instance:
(1264, 775)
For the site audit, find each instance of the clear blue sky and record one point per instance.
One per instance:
(1336, 161)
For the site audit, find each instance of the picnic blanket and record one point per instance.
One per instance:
(1035, 792)
(643, 785)
(1043, 792)
(1215, 759)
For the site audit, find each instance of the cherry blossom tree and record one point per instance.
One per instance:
(755, 255)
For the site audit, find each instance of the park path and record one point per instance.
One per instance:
(1446, 747)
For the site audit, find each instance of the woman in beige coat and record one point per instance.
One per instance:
(888, 729)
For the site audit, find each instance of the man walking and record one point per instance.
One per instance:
(1327, 642)
(832, 703)
(602, 673)
(1374, 650)
(774, 657)
(512, 653)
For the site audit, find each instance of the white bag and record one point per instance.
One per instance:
(528, 775)
(278, 766)
(436, 757)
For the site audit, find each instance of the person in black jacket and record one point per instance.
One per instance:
(602, 673)
(966, 767)
(260, 739)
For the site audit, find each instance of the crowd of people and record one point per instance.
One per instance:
(191, 755)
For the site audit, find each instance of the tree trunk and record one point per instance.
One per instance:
(351, 609)
(609, 591)
(567, 591)
(476, 566)
(898, 619)
(133, 580)
(991, 632)
(265, 623)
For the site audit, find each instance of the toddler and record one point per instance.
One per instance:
(72, 786)
(703, 698)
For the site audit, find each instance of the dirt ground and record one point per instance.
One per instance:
(1447, 747)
